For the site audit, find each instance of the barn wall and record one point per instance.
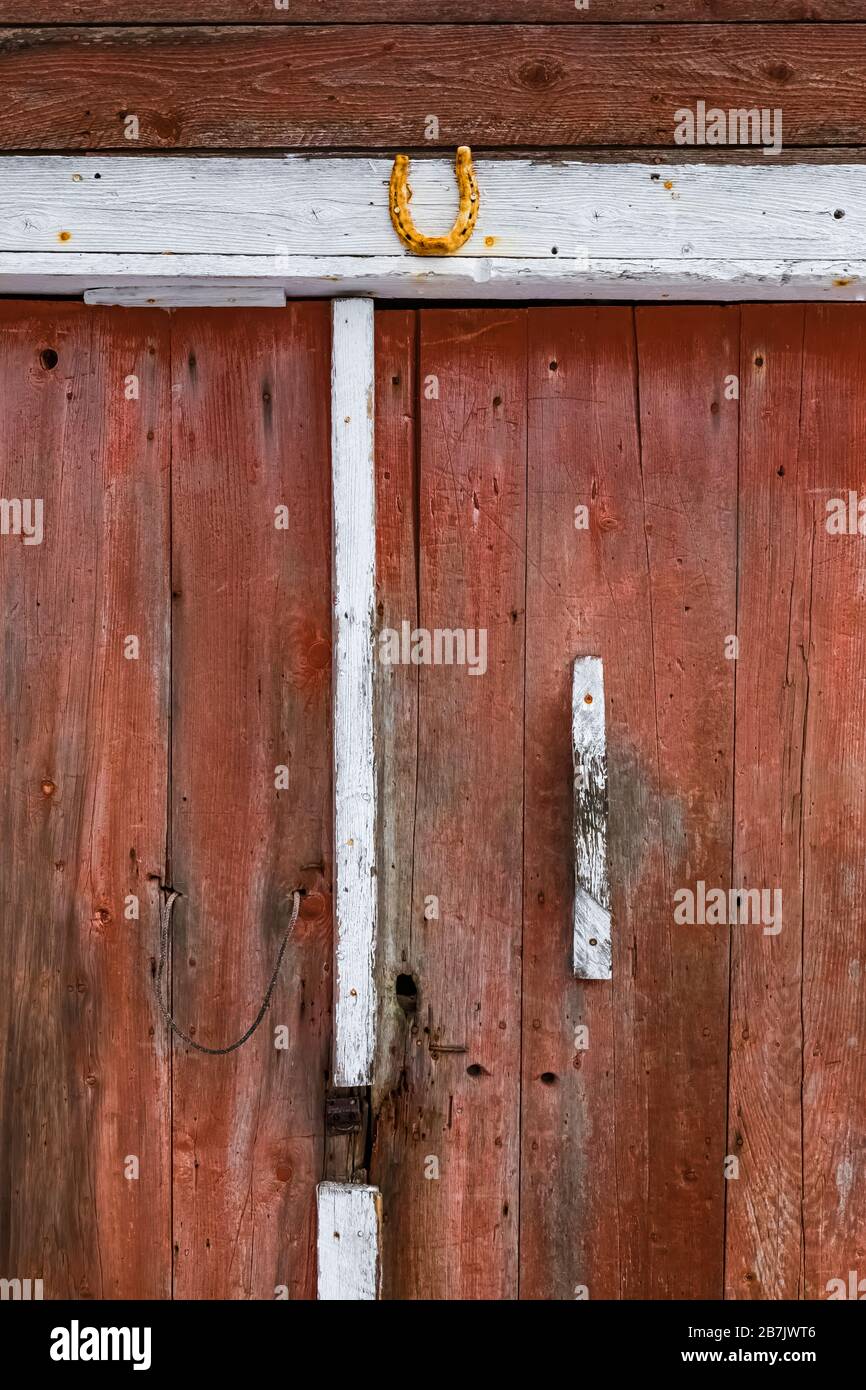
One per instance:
(610, 76)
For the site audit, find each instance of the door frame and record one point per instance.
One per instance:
(160, 231)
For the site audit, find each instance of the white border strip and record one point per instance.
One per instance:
(354, 547)
(349, 1242)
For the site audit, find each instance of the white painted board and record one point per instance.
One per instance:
(354, 594)
(592, 944)
(348, 1243)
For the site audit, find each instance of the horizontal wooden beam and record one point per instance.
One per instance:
(386, 85)
(302, 225)
(280, 208)
(413, 11)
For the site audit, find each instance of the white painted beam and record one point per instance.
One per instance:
(349, 1242)
(301, 205)
(456, 277)
(354, 581)
(305, 225)
(592, 945)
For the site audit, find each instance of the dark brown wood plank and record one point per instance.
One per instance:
(251, 692)
(446, 1145)
(671, 1110)
(832, 450)
(375, 86)
(764, 1258)
(84, 1066)
(587, 594)
(412, 11)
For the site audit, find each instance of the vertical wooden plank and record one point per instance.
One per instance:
(764, 1257)
(395, 691)
(587, 590)
(251, 793)
(591, 880)
(624, 1123)
(833, 449)
(446, 1148)
(348, 1242)
(84, 1155)
(354, 530)
(689, 437)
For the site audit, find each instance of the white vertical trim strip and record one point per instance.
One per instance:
(354, 549)
(591, 882)
(349, 1240)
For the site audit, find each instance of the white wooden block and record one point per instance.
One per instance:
(183, 296)
(592, 951)
(349, 1242)
(354, 592)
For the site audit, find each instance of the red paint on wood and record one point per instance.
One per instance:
(375, 86)
(409, 11)
(454, 1235)
(251, 693)
(83, 744)
(764, 1254)
(587, 595)
(832, 450)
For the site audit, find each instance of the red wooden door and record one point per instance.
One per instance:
(556, 1138)
(165, 719)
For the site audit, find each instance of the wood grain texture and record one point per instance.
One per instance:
(832, 444)
(349, 1242)
(587, 590)
(591, 879)
(374, 86)
(446, 1144)
(412, 11)
(689, 469)
(251, 693)
(271, 211)
(83, 744)
(396, 689)
(353, 602)
(764, 1255)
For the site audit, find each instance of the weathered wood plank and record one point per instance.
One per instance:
(591, 881)
(587, 589)
(832, 445)
(252, 789)
(377, 86)
(454, 278)
(277, 209)
(349, 1241)
(673, 1096)
(433, 11)
(354, 596)
(446, 1145)
(764, 1234)
(396, 690)
(84, 1069)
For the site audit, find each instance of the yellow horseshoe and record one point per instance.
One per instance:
(464, 223)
